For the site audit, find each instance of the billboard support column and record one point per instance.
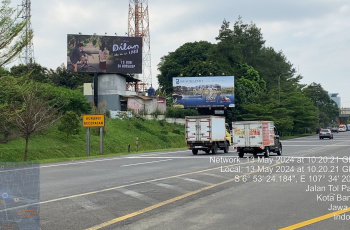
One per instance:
(101, 140)
(96, 90)
(88, 141)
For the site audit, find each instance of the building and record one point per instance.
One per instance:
(118, 92)
(334, 97)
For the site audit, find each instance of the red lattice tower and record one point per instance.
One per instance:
(138, 26)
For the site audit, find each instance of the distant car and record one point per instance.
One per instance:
(342, 128)
(335, 129)
(326, 133)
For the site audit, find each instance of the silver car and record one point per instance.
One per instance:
(325, 133)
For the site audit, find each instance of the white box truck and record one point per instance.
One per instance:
(256, 137)
(207, 133)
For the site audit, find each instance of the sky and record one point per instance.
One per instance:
(314, 35)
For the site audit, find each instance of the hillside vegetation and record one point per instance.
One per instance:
(52, 145)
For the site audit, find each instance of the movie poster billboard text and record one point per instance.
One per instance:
(104, 54)
(213, 91)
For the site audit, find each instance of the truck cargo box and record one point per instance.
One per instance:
(253, 133)
(207, 133)
(256, 137)
(205, 128)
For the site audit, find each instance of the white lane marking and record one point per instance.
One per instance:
(150, 162)
(56, 165)
(153, 154)
(137, 195)
(195, 181)
(214, 175)
(172, 187)
(82, 162)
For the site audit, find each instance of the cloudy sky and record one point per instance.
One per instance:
(314, 35)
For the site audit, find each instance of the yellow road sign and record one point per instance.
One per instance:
(94, 120)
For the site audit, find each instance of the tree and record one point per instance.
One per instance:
(182, 61)
(241, 52)
(241, 44)
(34, 72)
(70, 124)
(35, 112)
(304, 112)
(327, 109)
(10, 92)
(62, 77)
(12, 39)
(3, 72)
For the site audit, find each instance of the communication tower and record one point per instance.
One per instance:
(138, 26)
(27, 54)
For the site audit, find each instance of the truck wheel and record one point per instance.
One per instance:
(279, 150)
(194, 151)
(207, 151)
(214, 149)
(227, 147)
(255, 155)
(240, 154)
(267, 152)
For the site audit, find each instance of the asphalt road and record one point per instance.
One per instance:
(308, 187)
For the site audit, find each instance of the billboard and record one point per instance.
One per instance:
(104, 54)
(213, 91)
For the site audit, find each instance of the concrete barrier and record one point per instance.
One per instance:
(180, 121)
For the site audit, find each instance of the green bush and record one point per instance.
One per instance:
(180, 113)
(176, 131)
(156, 113)
(162, 122)
(70, 124)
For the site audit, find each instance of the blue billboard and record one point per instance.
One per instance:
(213, 91)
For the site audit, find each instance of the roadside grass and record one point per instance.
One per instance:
(296, 136)
(53, 146)
(143, 136)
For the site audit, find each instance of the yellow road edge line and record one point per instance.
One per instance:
(315, 220)
(123, 186)
(150, 208)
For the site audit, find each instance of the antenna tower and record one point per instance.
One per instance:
(28, 53)
(138, 26)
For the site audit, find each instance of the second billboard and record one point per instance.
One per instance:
(213, 91)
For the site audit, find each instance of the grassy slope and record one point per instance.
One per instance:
(52, 145)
